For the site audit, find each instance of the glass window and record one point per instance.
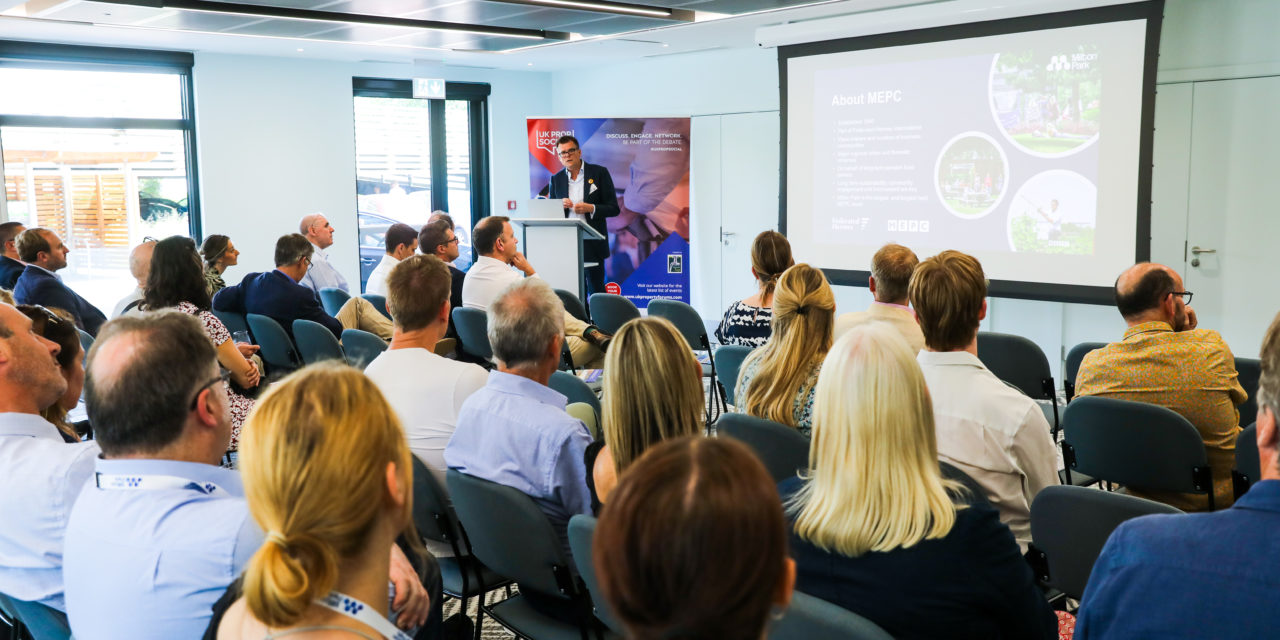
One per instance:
(90, 94)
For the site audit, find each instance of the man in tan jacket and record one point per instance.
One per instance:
(891, 270)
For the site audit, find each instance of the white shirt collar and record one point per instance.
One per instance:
(949, 358)
(28, 424)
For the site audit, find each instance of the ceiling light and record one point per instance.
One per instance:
(610, 7)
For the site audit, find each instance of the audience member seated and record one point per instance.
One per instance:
(990, 431)
(162, 523)
(324, 569)
(1204, 575)
(514, 431)
(57, 326)
(176, 281)
(401, 241)
(492, 273)
(44, 253)
(749, 322)
(891, 269)
(10, 266)
(694, 545)
(426, 390)
(438, 239)
(879, 531)
(40, 474)
(317, 230)
(777, 381)
(1164, 359)
(219, 254)
(278, 295)
(139, 266)
(652, 392)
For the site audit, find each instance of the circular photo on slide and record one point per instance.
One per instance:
(972, 173)
(1055, 212)
(1048, 102)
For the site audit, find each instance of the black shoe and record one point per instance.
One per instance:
(458, 627)
(600, 339)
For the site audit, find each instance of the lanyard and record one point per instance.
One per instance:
(359, 611)
(148, 482)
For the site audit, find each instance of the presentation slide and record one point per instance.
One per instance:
(1021, 149)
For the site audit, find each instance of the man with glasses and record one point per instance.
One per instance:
(40, 474)
(587, 192)
(160, 530)
(1165, 359)
(438, 239)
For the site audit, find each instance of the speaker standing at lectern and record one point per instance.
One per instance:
(587, 192)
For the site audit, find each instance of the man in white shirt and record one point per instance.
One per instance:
(426, 390)
(401, 241)
(492, 272)
(891, 269)
(989, 430)
(319, 233)
(40, 474)
(139, 267)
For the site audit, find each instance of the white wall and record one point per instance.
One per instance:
(1202, 39)
(275, 138)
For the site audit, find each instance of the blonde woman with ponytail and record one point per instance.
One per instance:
(878, 528)
(748, 322)
(777, 382)
(327, 477)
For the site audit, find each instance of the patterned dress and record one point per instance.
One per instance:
(218, 334)
(745, 325)
(213, 281)
(801, 407)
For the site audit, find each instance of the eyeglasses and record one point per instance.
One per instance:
(568, 152)
(146, 239)
(453, 241)
(222, 377)
(1185, 295)
(49, 316)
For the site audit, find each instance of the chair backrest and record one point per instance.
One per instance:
(233, 321)
(473, 331)
(332, 299)
(316, 342)
(729, 359)
(610, 311)
(1072, 367)
(1249, 371)
(1135, 444)
(574, 389)
(86, 342)
(686, 319)
(582, 529)
(1248, 469)
(361, 347)
(1018, 361)
(810, 618)
(378, 302)
(587, 414)
(433, 515)
(511, 535)
(43, 622)
(573, 305)
(782, 449)
(1071, 524)
(277, 350)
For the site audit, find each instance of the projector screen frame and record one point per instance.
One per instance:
(1150, 10)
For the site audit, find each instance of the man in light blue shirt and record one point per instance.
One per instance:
(40, 474)
(319, 232)
(514, 431)
(160, 530)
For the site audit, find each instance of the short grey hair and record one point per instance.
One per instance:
(523, 320)
(307, 221)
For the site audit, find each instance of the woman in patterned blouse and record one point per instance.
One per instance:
(218, 253)
(748, 322)
(778, 381)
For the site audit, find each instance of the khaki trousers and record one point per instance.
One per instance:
(358, 313)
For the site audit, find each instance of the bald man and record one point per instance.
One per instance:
(139, 267)
(1165, 359)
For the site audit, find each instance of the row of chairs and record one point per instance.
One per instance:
(311, 342)
(499, 536)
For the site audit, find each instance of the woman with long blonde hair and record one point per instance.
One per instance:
(778, 380)
(877, 528)
(327, 476)
(652, 392)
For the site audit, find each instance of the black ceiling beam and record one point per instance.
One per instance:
(609, 6)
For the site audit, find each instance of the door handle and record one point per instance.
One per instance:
(1197, 251)
(725, 235)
